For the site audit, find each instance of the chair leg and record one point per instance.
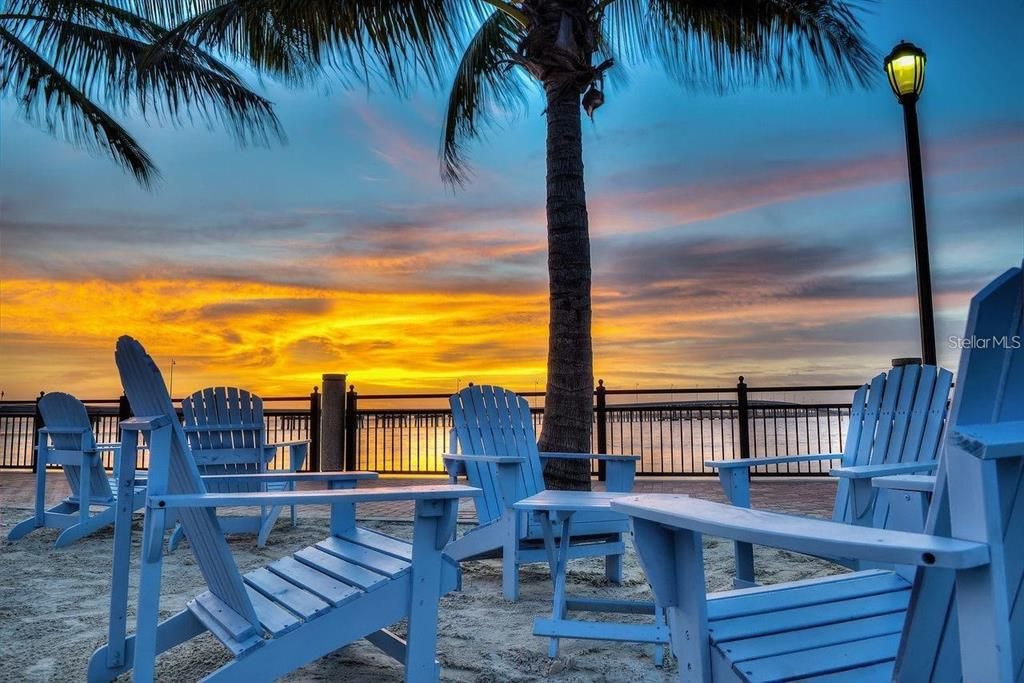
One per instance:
(23, 527)
(178, 629)
(291, 487)
(613, 568)
(510, 559)
(83, 529)
(147, 613)
(427, 547)
(510, 576)
(659, 649)
(84, 490)
(267, 523)
(40, 502)
(175, 540)
(559, 605)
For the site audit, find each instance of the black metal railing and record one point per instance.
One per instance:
(674, 430)
(673, 434)
(20, 422)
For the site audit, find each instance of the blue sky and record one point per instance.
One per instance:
(763, 232)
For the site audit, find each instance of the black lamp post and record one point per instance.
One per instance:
(905, 68)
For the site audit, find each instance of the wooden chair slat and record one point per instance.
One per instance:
(325, 587)
(382, 563)
(836, 611)
(846, 658)
(274, 618)
(482, 475)
(813, 637)
(340, 569)
(891, 393)
(378, 541)
(292, 597)
(765, 599)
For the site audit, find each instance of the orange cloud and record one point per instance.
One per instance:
(274, 338)
(279, 339)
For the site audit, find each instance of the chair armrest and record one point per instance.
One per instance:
(288, 444)
(991, 441)
(493, 459)
(292, 476)
(803, 535)
(620, 471)
(147, 423)
(906, 482)
(553, 455)
(65, 430)
(297, 452)
(388, 493)
(774, 460)
(872, 471)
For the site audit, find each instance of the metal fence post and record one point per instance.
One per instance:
(351, 428)
(742, 416)
(124, 412)
(602, 428)
(37, 424)
(314, 430)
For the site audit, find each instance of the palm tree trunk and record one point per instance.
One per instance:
(568, 405)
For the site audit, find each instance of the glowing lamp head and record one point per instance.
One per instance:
(905, 68)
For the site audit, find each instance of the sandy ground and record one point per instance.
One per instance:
(54, 605)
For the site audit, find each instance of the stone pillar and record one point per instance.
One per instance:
(332, 423)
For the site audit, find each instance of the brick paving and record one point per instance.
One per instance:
(807, 496)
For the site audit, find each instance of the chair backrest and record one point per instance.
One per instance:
(989, 389)
(225, 431)
(176, 471)
(493, 421)
(896, 418)
(64, 411)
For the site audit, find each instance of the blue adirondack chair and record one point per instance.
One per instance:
(955, 617)
(499, 455)
(895, 428)
(227, 435)
(351, 585)
(67, 440)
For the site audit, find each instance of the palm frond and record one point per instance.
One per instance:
(364, 40)
(113, 16)
(47, 98)
(166, 12)
(708, 44)
(484, 82)
(102, 50)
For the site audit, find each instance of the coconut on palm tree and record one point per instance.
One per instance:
(502, 52)
(73, 65)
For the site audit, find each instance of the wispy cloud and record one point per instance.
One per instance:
(404, 153)
(641, 199)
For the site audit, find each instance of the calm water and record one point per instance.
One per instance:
(668, 441)
(675, 442)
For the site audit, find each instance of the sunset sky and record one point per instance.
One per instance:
(764, 233)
